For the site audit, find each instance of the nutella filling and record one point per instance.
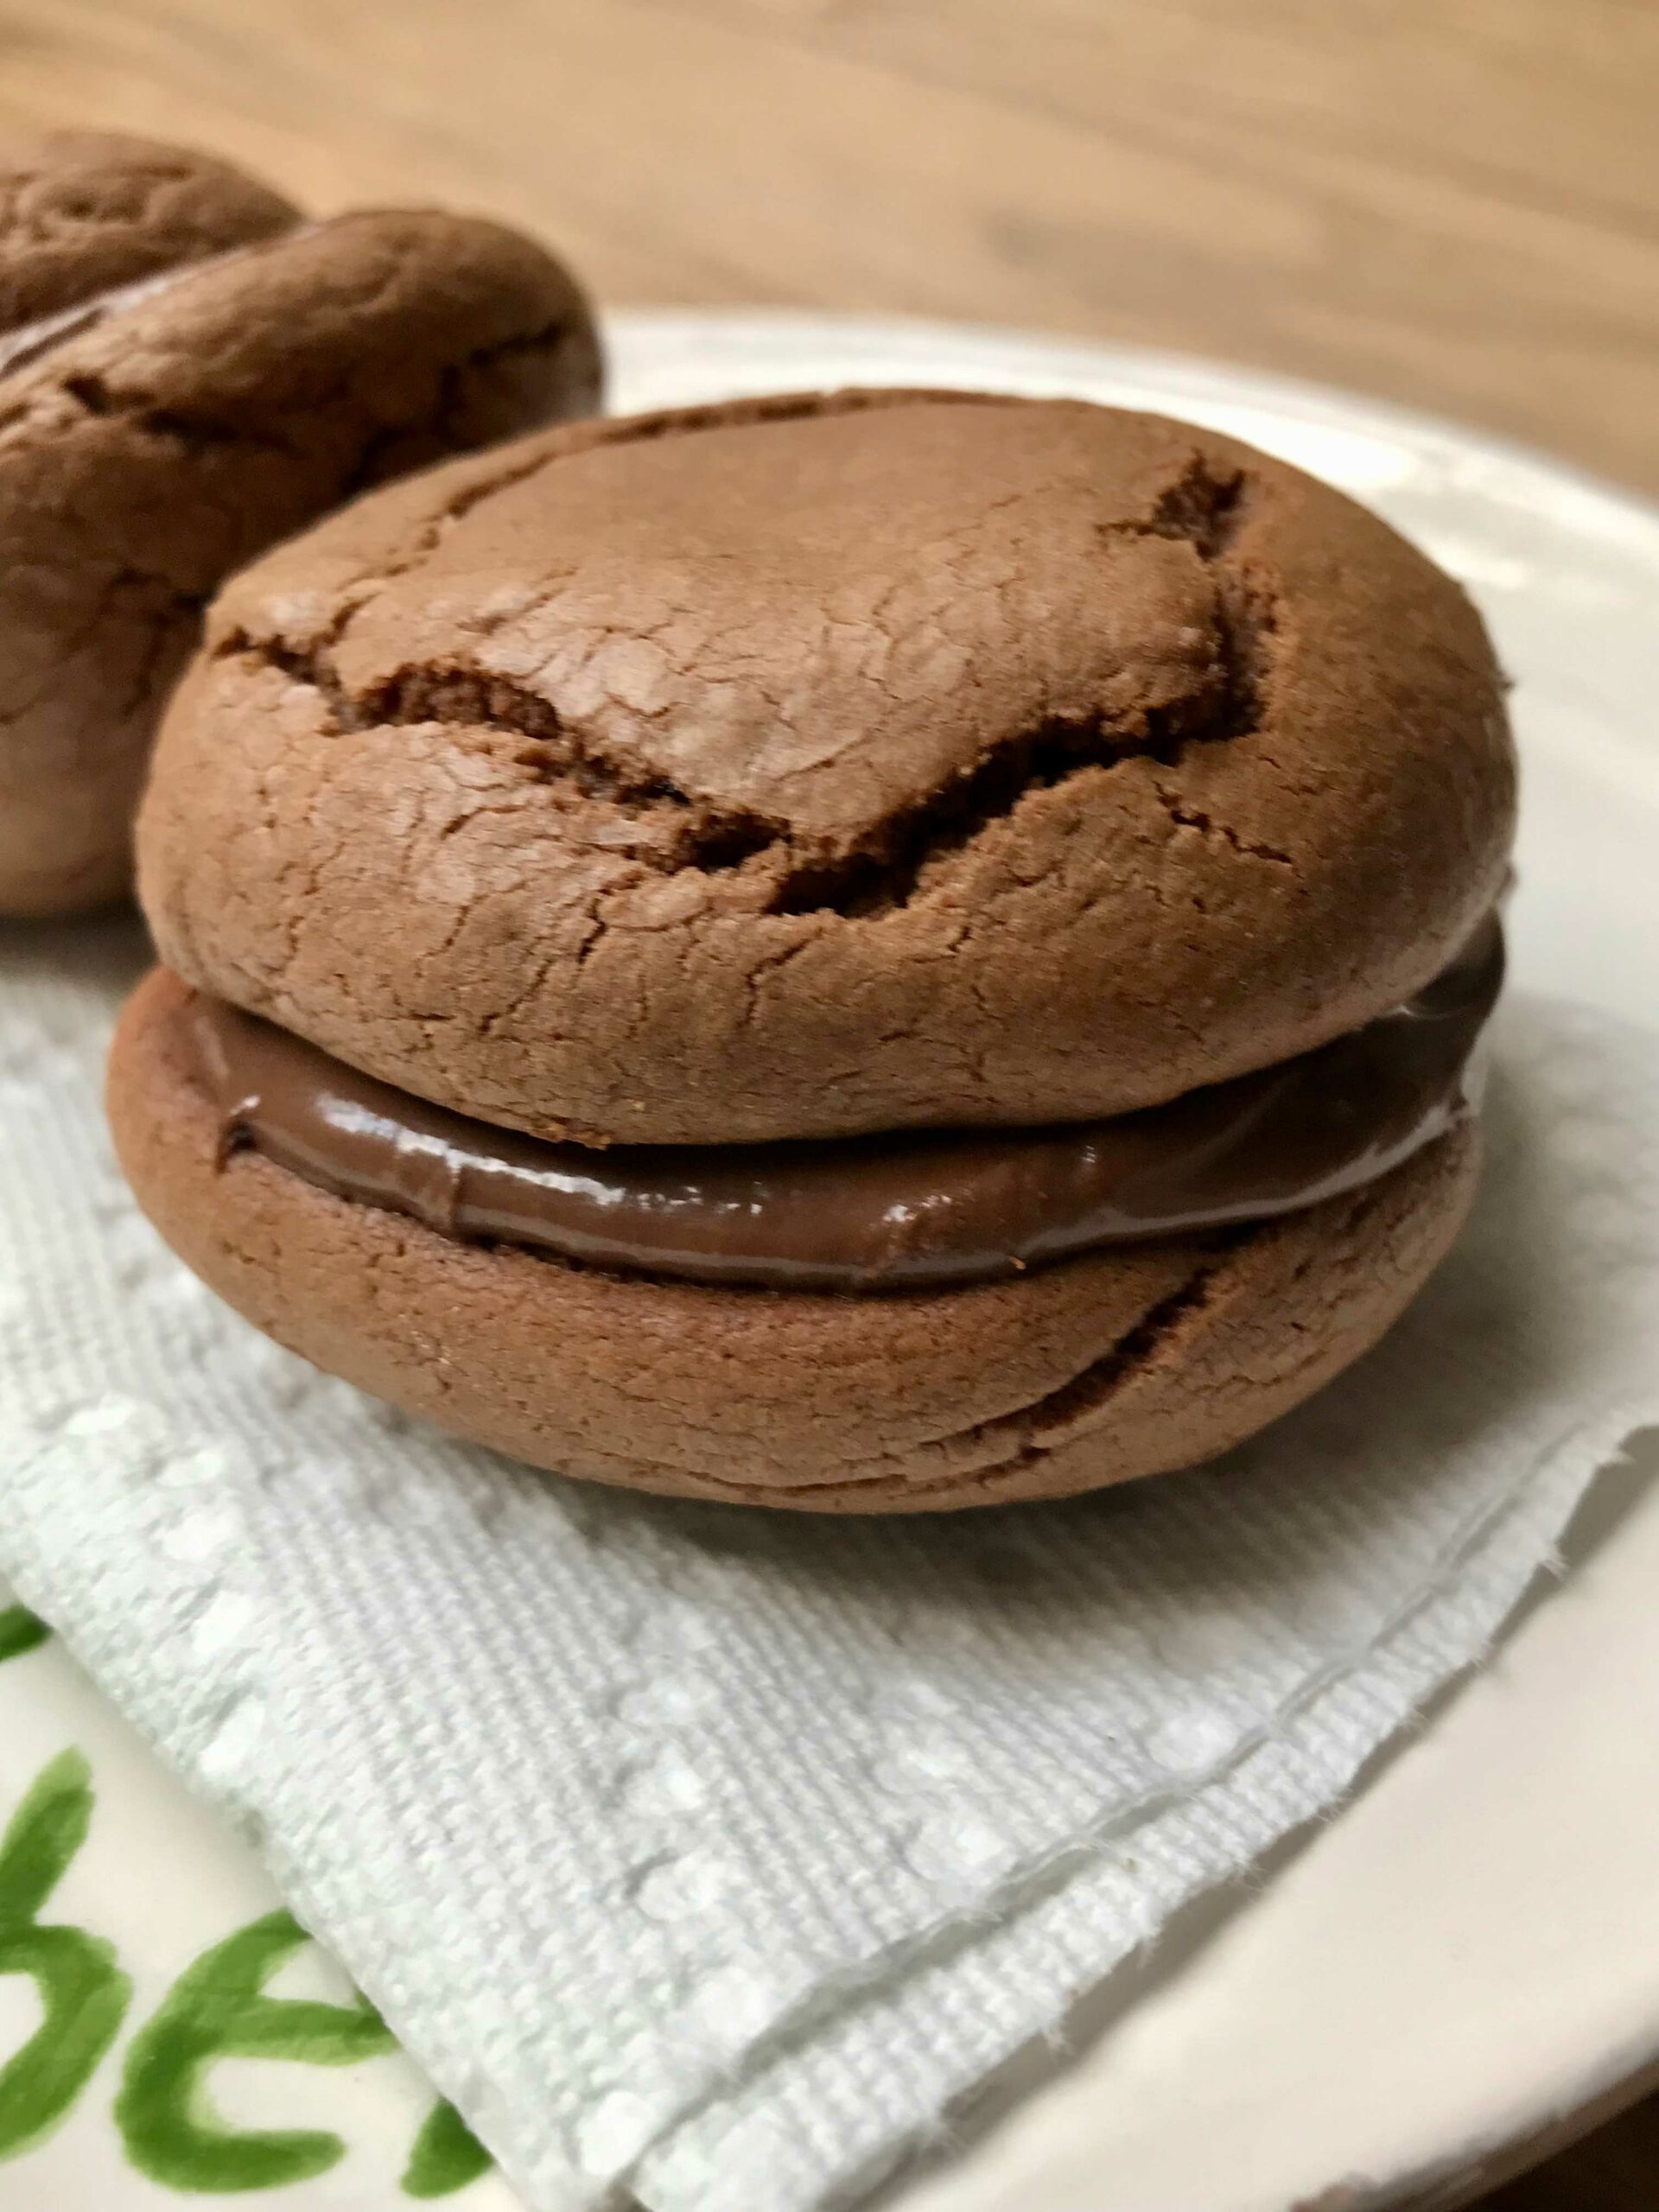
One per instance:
(918, 1210)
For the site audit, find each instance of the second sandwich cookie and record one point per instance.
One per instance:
(189, 372)
(874, 952)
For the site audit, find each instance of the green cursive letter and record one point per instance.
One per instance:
(446, 2156)
(20, 1631)
(82, 1990)
(216, 2009)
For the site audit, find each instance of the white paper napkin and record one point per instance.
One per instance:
(708, 1855)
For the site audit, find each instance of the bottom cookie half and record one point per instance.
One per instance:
(1123, 1363)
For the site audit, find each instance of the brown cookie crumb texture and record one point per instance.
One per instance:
(84, 211)
(149, 455)
(821, 764)
(1088, 1373)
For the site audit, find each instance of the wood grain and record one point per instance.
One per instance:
(1451, 202)
(1454, 202)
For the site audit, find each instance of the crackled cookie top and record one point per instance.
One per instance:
(827, 764)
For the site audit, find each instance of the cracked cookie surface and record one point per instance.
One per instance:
(187, 373)
(828, 764)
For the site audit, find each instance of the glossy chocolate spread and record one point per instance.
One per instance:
(925, 1209)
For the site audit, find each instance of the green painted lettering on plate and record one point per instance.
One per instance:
(217, 2009)
(446, 2157)
(20, 1631)
(84, 1994)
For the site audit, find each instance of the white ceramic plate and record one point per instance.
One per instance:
(1470, 1950)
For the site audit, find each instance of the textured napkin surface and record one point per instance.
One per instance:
(705, 1857)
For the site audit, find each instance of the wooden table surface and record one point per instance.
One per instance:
(1451, 202)
(1454, 202)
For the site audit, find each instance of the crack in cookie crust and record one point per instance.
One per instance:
(1201, 507)
(829, 764)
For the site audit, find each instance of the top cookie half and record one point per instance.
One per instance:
(820, 764)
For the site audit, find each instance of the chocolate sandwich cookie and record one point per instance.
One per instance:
(189, 372)
(870, 953)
